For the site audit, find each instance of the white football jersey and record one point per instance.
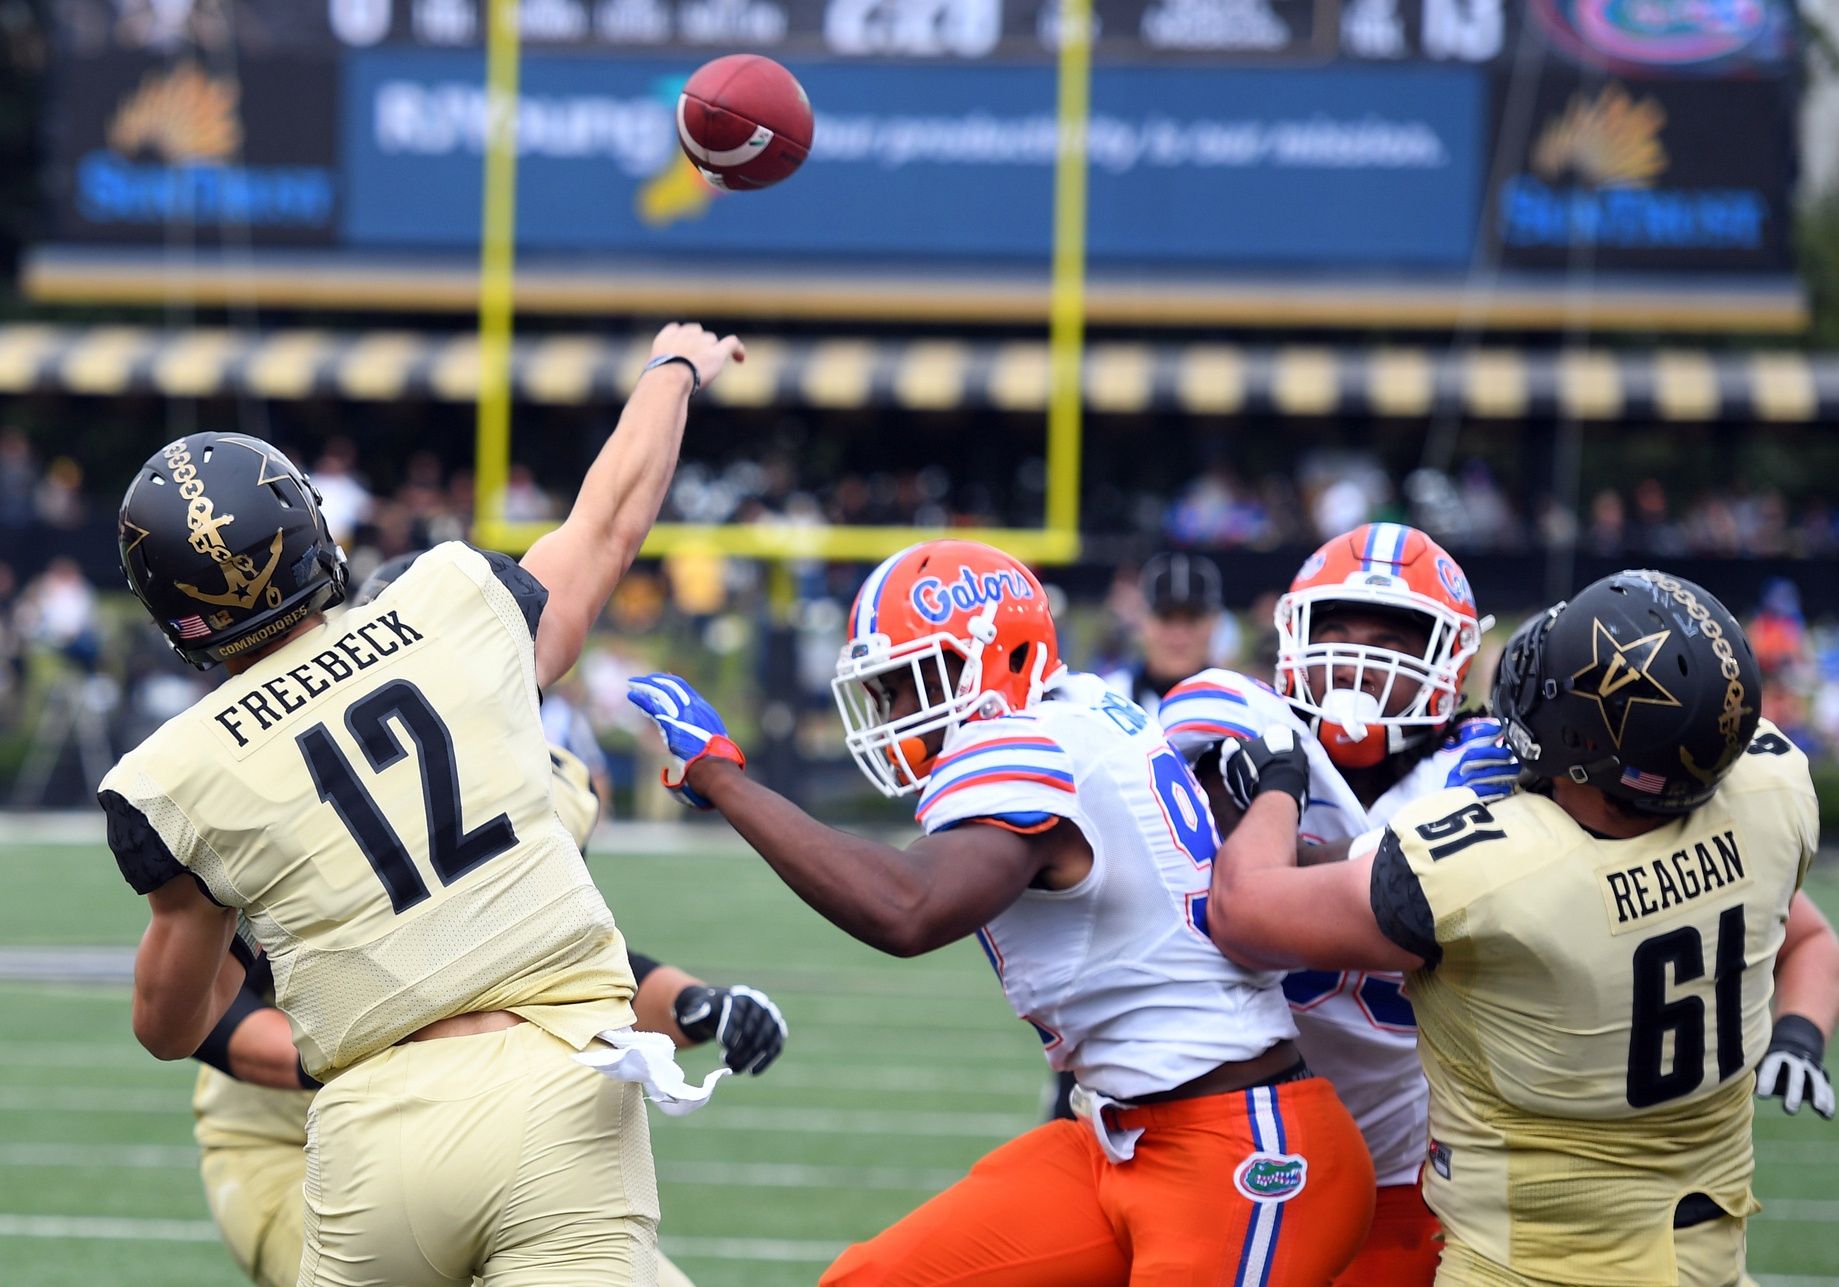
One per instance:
(1355, 1026)
(1116, 974)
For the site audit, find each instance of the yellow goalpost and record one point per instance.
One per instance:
(1057, 541)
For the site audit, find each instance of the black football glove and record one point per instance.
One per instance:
(1274, 762)
(1792, 1069)
(748, 1025)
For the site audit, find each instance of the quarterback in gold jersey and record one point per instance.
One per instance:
(1593, 959)
(370, 791)
(252, 1106)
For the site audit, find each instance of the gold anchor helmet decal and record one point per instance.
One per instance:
(243, 584)
(1617, 682)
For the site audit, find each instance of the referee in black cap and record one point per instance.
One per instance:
(1182, 593)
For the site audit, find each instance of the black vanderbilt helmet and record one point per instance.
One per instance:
(223, 542)
(1643, 686)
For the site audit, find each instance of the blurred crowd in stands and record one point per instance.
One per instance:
(31, 496)
(1468, 511)
(83, 676)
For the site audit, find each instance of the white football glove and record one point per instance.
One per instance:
(1792, 1069)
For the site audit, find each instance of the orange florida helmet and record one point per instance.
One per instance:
(1385, 568)
(961, 598)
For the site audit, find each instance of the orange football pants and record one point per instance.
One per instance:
(1048, 1210)
(1403, 1246)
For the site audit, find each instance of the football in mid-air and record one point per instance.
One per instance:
(744, 121)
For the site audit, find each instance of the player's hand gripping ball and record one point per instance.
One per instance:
(690, 726)
(744, 121)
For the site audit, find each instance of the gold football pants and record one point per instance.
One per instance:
(254, 1193)
(256, 1199)
(1708, 1255)
(493, 1155)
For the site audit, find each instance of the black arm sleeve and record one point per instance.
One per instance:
(145, 861)
(641, 966)
(1399, 904)
(215, 1050)
(527, 590)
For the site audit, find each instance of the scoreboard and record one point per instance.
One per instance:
(1313, 140)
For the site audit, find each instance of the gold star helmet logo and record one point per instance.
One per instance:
(1616, 682)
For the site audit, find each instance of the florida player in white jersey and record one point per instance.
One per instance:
(1064, 831)
(1375, 639)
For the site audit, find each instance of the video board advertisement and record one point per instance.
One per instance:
(1186, 164)
(1284, 134)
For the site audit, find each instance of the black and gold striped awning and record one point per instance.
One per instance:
(941, 375)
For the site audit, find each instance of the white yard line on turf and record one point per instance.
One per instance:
(107, 1227)
(799, 1250)
(76, 1054)
(776, 1175)
(861, 1121)
(794, 1249)
(809, 1121)
(67, 964)
(1797, 1152)
(116, 1228)
(905, 1077)
(92, 1099)
(1810, 1210)
(126, 1156)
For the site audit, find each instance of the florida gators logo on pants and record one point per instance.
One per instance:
(1269, 1187)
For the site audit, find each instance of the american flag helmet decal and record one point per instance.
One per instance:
(1652, 783)
(191, 627)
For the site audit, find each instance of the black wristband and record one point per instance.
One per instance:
(215, 1049)
(698, 1011)
(306, 1082)
(642, 965)
(1798, 1035)
(667, 358)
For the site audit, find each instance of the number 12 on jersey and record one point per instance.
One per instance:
(452, 850)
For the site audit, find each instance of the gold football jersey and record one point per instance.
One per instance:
(1591, 1032)
(376, 799)
(576, 804)
(234, 1113)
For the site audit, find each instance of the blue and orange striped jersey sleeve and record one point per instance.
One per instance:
(1203, 711)
(1007, 771)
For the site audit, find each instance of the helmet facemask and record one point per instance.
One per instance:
(1358, 681)
(891, 750)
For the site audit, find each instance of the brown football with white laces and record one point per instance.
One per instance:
(744, 121)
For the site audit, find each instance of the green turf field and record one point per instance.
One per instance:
(898, 1075)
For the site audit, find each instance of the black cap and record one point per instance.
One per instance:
(1181, 583)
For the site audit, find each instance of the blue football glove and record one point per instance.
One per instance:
(690, 726)
(1487, 766)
